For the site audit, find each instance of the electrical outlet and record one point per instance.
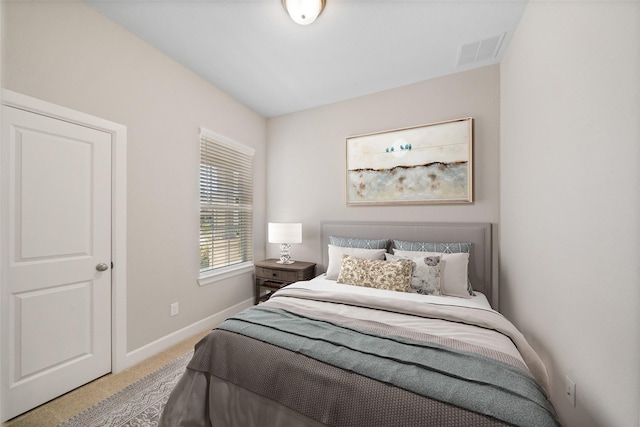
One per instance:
(570, 390)
(174, 309)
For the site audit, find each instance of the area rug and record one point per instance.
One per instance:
(140, 404)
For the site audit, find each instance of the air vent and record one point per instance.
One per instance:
(479, 51)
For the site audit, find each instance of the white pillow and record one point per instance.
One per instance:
(453, 271)
(335, 258)
(425, 278)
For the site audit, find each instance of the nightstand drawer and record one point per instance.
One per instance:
(268, 273)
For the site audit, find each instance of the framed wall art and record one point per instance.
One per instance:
(417, 165)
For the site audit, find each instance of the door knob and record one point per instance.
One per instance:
(102, 267)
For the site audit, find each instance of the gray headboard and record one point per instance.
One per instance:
(480, 264)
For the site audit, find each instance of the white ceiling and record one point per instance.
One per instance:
(252, 50)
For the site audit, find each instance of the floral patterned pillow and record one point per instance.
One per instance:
(444, 248)
(425, 278)
(453, 271)
(380, 274)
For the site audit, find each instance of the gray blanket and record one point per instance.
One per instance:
(484, 387)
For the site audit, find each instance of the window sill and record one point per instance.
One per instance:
(225, 273)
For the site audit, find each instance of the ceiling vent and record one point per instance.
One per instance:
(479, 51)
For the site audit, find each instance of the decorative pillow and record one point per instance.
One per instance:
(374, 273)
(425, 278)
(453, 271)
(354, 242)
(442, 247)
(439, 247)
(336, 253)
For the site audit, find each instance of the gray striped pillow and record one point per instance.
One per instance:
(354, 242)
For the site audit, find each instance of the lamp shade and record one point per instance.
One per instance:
(285, 232)
(303, 12)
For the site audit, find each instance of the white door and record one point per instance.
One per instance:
(56, 257)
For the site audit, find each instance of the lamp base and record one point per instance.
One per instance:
(285, 254)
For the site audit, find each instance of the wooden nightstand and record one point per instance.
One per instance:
(271, 276)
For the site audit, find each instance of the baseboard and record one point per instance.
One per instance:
(140, 354)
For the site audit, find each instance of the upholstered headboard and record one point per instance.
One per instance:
(479, 234)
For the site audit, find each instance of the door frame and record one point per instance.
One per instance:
(118, 209)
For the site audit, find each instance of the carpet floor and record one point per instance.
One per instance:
(104, 390)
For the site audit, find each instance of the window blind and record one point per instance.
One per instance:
(226, 202)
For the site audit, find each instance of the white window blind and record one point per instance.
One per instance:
(226, 202)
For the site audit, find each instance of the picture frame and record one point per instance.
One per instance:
(426, 164)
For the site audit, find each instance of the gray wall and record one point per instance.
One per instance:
(570, 208)
(68, 54)
(306, 169)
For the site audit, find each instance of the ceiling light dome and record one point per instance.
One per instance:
(303, 12)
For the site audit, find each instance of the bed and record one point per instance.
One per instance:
(397, 330)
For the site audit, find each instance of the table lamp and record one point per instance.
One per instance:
(285, 233)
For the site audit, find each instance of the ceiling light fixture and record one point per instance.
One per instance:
(303, 12)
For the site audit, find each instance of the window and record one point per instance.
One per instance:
(226, 204)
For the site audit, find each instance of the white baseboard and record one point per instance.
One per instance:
(140, 354)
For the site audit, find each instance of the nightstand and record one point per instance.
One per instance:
(271, 276)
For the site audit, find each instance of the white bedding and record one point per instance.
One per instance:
(467, 333)
(477, 301)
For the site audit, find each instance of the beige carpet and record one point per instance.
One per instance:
(61, 409)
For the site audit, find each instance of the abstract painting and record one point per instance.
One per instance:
(416, 165)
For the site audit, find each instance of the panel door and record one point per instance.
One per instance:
(56, 233)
